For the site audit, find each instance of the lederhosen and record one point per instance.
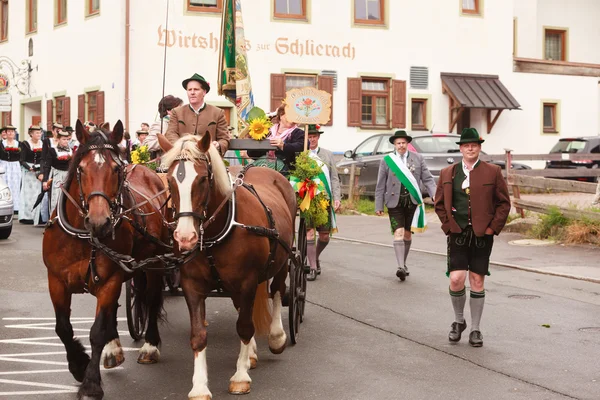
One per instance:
(465, 250)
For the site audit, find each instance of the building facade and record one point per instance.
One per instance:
(522, 72)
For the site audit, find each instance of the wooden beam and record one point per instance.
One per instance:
(490, 122)
(551, 184)
(561, 173)
(545, 209)
(543, 157)
(454, 121)
(555, 67)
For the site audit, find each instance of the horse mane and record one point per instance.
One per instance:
(94, 139)
(187, 148)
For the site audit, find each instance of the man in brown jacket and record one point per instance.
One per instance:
(197, 117)
(473, 203)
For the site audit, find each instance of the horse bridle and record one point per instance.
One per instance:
(115, 204)
(180, 176)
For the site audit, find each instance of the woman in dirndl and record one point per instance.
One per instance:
(57, 158)
(10, 157)
(31, 183)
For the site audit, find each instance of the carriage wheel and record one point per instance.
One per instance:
(136, 315)
(297, 290)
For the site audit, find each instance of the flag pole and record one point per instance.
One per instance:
(165, 62)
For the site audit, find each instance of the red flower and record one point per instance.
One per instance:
(37, 150)
(12, 149)
(318, 126)
(64, 158)
(308, 101)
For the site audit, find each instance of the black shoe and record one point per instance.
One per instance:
(406, 269)
(312, 275)
(456, 331)
(476, 339)
(401, 273)
(318, 267)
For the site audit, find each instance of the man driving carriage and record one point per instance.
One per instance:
(197, 117)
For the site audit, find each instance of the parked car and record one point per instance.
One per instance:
(6, 207)
(438, 149)
(590, 144)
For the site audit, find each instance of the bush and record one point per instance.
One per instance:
(551, 225)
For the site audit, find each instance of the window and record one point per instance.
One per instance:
(293, 81)
(385, 146)
(215, 6)
(374, 103)
(3, 20)
(368, 146)
(290, 9)
(92, 108)
(550, 125)
(31, 16)
(93, 7)
(471, 7)
(419, 114)
(555, 44)
(369, 11)
(61, 12)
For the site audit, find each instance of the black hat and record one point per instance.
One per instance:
(470, 135)
(400, 134)
(314, 129)
(69, 129)
(197, 78)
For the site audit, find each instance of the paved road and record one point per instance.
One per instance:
(366, 336)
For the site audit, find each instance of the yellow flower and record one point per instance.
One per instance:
(135, 157)
(324, 204)
(259, 128)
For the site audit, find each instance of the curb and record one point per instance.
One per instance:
(500, 264)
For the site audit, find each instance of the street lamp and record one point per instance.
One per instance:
(21, 75)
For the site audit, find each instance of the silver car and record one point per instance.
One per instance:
(6, 207)
(438, 149)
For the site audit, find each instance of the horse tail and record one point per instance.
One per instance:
(261, 314)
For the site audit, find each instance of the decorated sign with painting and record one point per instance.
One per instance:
(308, 106)
(3, 83)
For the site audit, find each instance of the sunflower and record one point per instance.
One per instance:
(259, 128)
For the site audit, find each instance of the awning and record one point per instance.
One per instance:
(477, 91)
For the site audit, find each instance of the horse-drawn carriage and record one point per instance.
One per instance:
(234, 238)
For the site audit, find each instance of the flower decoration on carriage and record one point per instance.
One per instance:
(310, 191)
(258, 124)
(141, 155)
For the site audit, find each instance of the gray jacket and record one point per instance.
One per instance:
(327, 157)
(388, 186)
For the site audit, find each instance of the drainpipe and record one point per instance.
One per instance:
(127, 15)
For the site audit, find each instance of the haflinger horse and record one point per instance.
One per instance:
(229, 253)
(106, 206)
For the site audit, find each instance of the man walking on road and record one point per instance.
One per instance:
(398, 187)
(473, 203)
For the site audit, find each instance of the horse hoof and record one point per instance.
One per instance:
(205, 322)
(113, 361)
(253, 362)
(148, 358)
(239, 387)
(279, 350)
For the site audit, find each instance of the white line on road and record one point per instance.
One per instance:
(63, 388)
(37, 371)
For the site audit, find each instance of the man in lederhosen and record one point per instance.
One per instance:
(197, 117)
(398, 187)
(473, 203)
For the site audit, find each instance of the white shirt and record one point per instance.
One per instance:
(467, 182)
(200, 109)
(402, 157)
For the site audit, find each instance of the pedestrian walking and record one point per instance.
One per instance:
(10, 158)
(398, 187)
(56, 167)
(473, 203)
(197, 117)
(331, 181)
(31, 172)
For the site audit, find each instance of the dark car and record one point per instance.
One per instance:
(583, 145)
(438, 149)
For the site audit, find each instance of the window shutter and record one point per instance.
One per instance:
(81, 108)
(398, 104)
(326, 84)
(277, 90)
(49, 114)
(354, 100)
(66, 112)
(100, 108)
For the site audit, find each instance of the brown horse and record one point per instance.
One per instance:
(230, 256)
(99, 186)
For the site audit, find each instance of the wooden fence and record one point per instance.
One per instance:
(545, 179)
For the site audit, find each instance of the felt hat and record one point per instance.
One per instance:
(314, 129)
(141, 132)
(69, 129)
(8, 127)
(34, 128)
(64, 134)
(57, 125)
(400, 134)
(470, 135)
(198, 78)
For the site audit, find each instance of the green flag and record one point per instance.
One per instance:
(227, 52)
